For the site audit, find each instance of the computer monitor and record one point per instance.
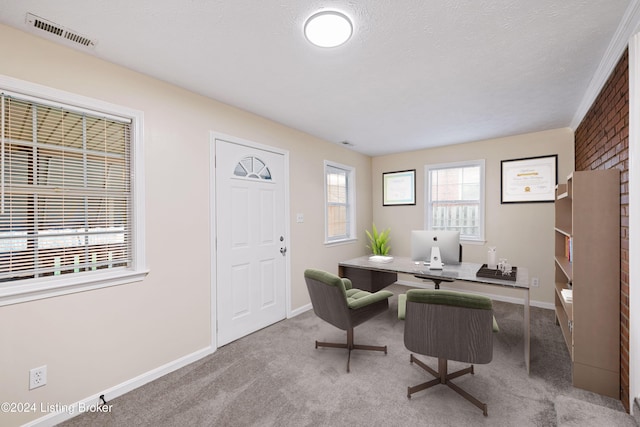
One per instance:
(448, 242)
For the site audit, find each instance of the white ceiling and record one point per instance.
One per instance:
(415, 74)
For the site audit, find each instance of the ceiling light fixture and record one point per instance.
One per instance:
(328, 29)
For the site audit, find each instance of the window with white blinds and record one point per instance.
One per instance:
(67, 200)
(339, 206)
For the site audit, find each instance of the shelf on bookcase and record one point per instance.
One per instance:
(566, 266)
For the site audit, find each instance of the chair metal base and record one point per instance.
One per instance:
(443, 377)
(349, 345)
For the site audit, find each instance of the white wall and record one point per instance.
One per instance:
(96, 340)
(522, 233)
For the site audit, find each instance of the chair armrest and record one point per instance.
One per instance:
(369, 299)
(402, 306)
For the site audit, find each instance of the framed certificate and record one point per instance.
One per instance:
(399, 188)
(530, 180)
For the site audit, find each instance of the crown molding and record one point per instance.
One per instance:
(626, 29)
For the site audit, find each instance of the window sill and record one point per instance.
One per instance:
(473, 242)
(340, 242)
(36, 289)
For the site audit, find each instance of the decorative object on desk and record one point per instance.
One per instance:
(491, 258)
(380, 258)
(378, 242)
(530, 180)
(399, 188)
(491, 273)
(504, 267)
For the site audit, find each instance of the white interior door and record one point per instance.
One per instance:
(251, 244)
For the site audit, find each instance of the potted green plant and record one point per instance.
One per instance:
(379, 244)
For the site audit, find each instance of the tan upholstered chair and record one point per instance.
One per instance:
(450, 326)
(335, 301)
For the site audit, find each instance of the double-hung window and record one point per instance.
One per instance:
(455, 198)
(339, 202)
(67, 198)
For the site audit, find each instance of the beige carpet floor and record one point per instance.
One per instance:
(275, 377)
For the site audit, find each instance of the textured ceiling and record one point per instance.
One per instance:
(415, 74)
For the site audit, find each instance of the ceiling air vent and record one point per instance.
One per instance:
(58, 31)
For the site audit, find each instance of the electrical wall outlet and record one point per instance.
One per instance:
(535, 282)
(37, 377)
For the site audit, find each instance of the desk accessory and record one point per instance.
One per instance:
(494, 273)
(491, 258)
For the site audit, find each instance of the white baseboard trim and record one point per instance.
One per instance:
(92, 402)
(513, 300)
(300, 310)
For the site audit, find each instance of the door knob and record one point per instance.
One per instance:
(283, 250)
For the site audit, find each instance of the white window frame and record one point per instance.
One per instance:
(428, 220)
(45, 287)
(351, 207)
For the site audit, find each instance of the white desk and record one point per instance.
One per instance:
(373, 276)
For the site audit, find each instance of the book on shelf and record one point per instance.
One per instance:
(568, 248)
(567, 295)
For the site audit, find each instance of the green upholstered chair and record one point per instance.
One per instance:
(448, 325)
(335, 301)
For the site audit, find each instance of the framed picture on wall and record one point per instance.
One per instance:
(399, 188)
(529, 180)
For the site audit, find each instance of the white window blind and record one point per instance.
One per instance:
(65, 191)
(339, 197)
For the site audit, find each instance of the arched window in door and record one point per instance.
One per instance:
(252, 167)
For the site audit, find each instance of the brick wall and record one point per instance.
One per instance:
(602, 142)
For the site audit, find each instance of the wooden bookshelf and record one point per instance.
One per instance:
(587, 214)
